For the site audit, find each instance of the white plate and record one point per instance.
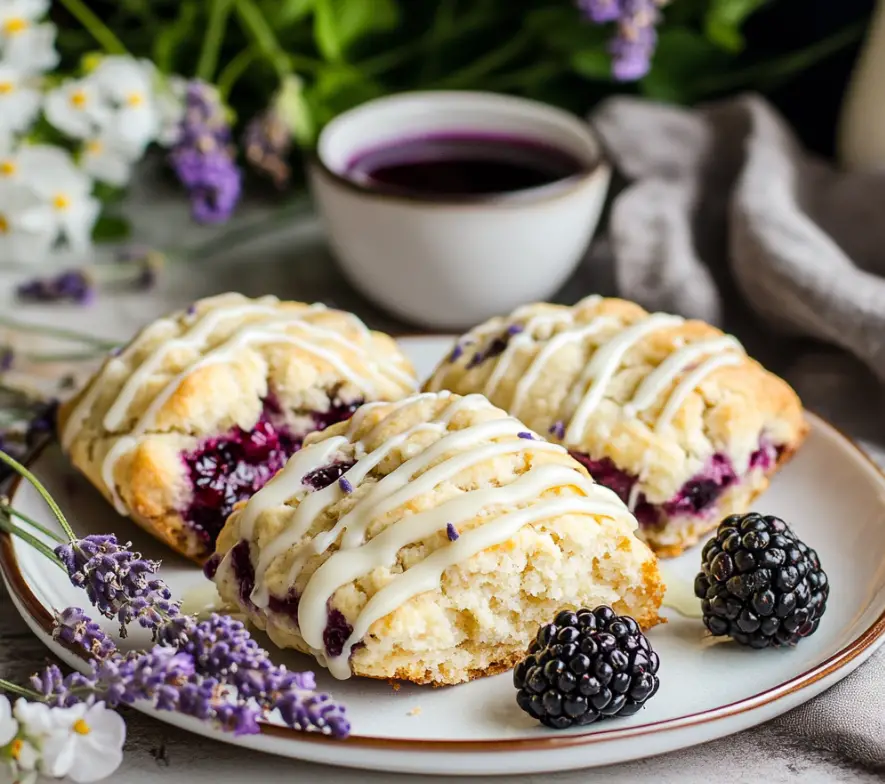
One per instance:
(831, 493)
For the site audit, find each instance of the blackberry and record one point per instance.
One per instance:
(584, 666)
(760, 584)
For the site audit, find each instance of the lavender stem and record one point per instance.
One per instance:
(4, 506)
(44, 493)
(7, 525)
(21, 691)
(57, 332)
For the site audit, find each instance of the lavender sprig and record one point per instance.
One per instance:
(212, 670)
(636, 38)
(203, 156)
(118, 581)
(75, 286)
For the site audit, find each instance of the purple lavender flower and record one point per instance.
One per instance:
(635, 41)
(268, 142)
(118, 581)
(146, 264)
(203, 157)
(526, 435)
(601, 11)
(557, 429)
(456, 353)
(69, 286)
(345, 485)
(7, 358)
(452, 532)
(74, 627)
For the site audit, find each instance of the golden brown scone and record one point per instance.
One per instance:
(427, 540)
(205, 405)
(671, 414)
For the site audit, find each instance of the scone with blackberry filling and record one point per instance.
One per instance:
(201, 408)
(427, 540)
(670, 414)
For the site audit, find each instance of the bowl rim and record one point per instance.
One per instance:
(599, 169)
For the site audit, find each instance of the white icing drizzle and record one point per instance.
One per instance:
(674, 366)
(451, 454)
(602, 367)
(275, 328)
(691, 381)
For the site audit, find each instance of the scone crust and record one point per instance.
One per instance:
(487, 608)
(727, 412)
(149, 478)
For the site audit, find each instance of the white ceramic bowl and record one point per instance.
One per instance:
(452, 262)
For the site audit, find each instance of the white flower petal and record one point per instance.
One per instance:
(76, 108)
(59, 753)
(102, 161)
(8, 725)
(32, 50)
(77, 222)
(50, 171)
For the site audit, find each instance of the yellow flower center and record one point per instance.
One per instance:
(18, 744)
(61, 202)
(7, 168)
(6, 87)
(78, 99)
(134, 99)
(81, 727)
(93, 147)
(15, 25)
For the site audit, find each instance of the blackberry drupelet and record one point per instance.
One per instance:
(584, 666)
(759, 584)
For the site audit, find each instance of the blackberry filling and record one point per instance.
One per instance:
(287, 606)
(323, 477)
(336, 633)
(233, 467)
(244, 572)
(695, 497)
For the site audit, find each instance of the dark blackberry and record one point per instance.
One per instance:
(584, 666)
(759, 584)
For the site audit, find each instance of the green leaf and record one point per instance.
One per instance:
(683, 59)
(724, 19)
(338, 24)
(174, 35)
(563, 30)
(296, 111)
(593, 64)
(283, 13)
(109, 228)
(337, 89)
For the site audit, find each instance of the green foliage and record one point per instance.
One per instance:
(317, 58)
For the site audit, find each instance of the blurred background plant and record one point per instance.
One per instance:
(88, 86)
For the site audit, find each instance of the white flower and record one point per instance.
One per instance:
(25, 44)
(8, 725)
(127, 85)
(19, 101)
(68, 209)
(24, 235)
(102, 159)
(76, 108)
(86, 743)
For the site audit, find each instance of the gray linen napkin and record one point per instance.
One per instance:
(725, 193)
(722, 201)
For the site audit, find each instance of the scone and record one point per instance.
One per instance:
(427, 540)
(670, 414)
(204, 406)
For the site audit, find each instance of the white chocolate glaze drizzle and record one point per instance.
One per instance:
(675, 378)
(453, 452)
(273, 325)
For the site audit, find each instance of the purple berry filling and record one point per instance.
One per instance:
(322, 477)
(496, 347)
(336, 633)
(234, 466)
(698, 495)
(211, 566)
(287, 606)
(337, 630)
(244, 572)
